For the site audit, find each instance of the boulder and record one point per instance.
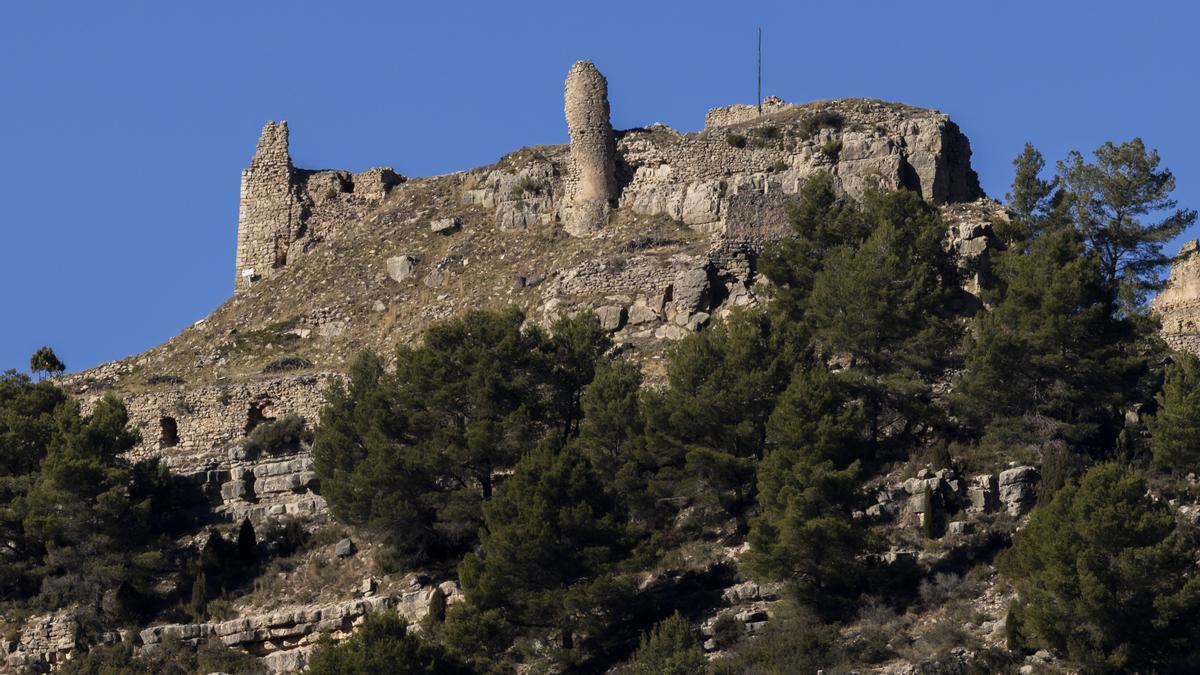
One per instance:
(401, 267)
(445, 225)
(344, 548)
(691, 290)
(1018, 489)
(612, 317)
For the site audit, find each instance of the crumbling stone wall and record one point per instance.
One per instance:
(1178, 304)
(592, 184)
(284, 210)
(204, 420)
(740, 112)
(269, 213)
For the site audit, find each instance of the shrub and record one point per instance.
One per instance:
(832, 148)
(736, 140)
(769, 132)
(824, 119)
(670, 648)
(382, 644)
(286, 364)
(282, 434)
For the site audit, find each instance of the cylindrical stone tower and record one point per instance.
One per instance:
(592, 184)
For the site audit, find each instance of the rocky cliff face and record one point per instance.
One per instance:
(368, 260)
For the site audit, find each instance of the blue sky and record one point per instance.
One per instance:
(124, 125)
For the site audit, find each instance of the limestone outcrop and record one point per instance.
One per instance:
(592, 183)
(1178, 304)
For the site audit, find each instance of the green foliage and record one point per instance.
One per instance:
(794, 641)
(1175, 428)
(382, 645)
(1030, 201)
(550, 548)
(277, 436)
(670, 648)
(44, 360)
(1122, 206)
(477, 637)
(198, 607)
(832, 148)
(824, 119)
(735, 140)
(247, 542)
(1103, 576)
(769, 132)
(807, 485)
(171, 658)
(1050, 360)
(414, 454)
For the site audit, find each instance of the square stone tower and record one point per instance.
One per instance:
(269, 215)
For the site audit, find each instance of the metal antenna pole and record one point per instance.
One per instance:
(760, 71)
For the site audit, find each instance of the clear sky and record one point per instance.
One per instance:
(124, 125)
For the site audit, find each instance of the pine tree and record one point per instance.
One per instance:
(548, 552)
(1175, 428)
(1103, 575)
(1051, 349)
(198, 607)
(1030, 200)
(44, 360)
(807, 485)
(247, 542)
(1116, 203)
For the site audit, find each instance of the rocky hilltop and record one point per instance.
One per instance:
(656, 230)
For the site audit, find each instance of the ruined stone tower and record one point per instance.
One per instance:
(592, 183)
(269, 212)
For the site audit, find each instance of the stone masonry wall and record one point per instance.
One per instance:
(592, 180)
(1178, 304)
(270, 207)
(183, 424)
(284, 210)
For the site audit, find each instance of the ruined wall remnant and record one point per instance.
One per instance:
(269, 212)
(592, 183)
(284, 210)
(1178, 305)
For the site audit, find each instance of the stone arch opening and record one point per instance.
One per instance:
(256, 415)
(169, 432)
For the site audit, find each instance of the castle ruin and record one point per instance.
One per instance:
(592, 181)
(269, 212)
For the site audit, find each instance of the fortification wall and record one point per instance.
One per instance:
(1178, 304)
(284, 211)
(740, 113)
(186, 423)
(269, 211)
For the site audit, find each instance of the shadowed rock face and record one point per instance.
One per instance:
(1178, 305)
(593, 183)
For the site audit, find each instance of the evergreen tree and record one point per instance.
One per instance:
(198, 607)
(98, 526)
(1050, 357)
(1103, 575)
(670, 648)
(247, 542)
(414, 454)
(44, 360)
(807, 485)
(1030, 201)
(1122, 206)
(1175, 428)
(550, 548)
